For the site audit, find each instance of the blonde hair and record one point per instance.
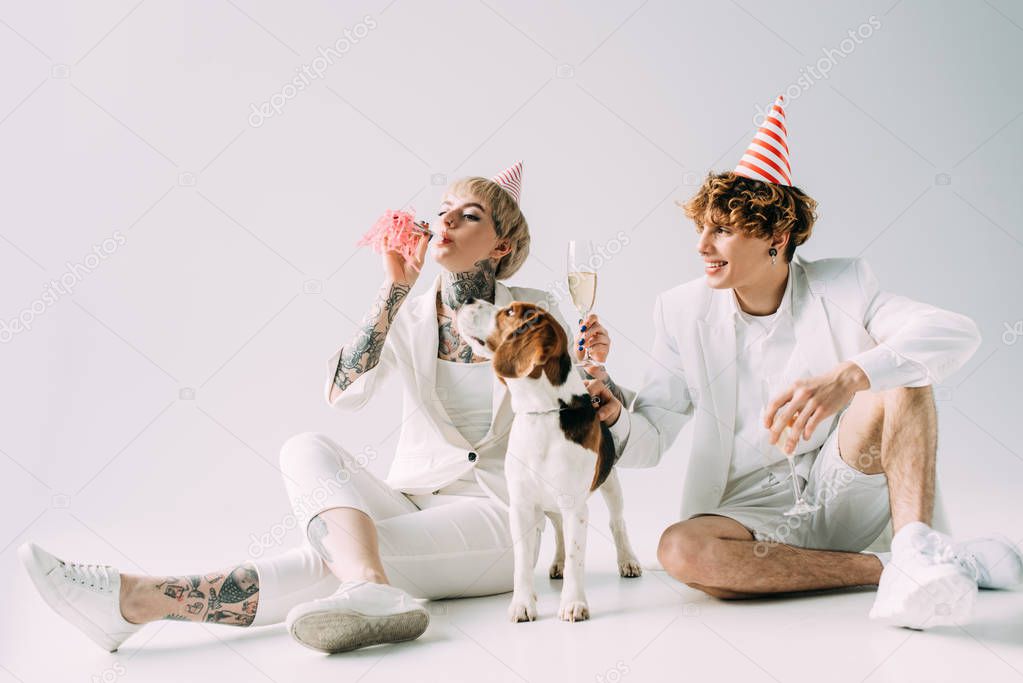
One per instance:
(509, 223)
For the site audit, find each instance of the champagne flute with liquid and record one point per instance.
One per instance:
(582, 285)
(772, 386)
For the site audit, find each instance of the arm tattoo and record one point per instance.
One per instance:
(615, 390)
(392, 302)
(221, 598)
(362, 353)
(318, 531)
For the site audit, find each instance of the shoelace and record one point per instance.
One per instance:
(937, 550)
(94, 576)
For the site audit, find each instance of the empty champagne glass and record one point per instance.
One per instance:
(774, 385)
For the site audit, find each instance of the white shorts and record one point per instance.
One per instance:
(854, 506)
(432, 546)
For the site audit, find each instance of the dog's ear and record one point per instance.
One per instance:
(524, 349)
(558, 363)
(514, 358)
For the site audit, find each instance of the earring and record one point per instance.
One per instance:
(774, 255)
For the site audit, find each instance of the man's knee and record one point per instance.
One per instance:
(899, 403)
(866, 421)
(685, 554)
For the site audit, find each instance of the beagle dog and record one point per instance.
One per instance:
(558, 453)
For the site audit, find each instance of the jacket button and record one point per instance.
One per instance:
(472, 456)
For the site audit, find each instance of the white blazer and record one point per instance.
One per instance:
(839, 313)
(431, 452)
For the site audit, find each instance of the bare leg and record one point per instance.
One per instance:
(344, 537)
(346, 540)
(227, 597)
(719, 556)
(894, 432)
(908, 454)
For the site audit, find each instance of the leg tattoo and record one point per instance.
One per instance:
(229, 598)
(317, 532)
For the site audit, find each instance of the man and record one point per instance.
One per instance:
(855, 367)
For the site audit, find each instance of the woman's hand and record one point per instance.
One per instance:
(401, 272)
(810, 401)
(593, 336)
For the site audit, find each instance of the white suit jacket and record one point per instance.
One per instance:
(431, 452)
(839, 313)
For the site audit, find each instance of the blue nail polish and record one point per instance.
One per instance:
(584, 328)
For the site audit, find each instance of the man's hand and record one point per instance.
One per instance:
(610, 407)
(810, 401)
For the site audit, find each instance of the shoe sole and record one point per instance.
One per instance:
(343, 630)
(943, 601)
(61, 606)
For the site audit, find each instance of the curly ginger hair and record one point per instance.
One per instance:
(757, 208)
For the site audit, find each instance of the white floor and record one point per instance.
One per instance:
(645, 629)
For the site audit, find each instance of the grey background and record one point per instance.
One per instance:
(143, 414)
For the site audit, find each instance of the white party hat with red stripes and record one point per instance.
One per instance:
(511, 180)
(767, 157)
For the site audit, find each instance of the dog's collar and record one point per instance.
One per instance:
(543, 412)
(594, 401)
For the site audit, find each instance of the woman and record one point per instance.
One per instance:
(436, 528)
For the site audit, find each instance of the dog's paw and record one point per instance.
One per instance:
(629, 568)
(522, 610)
(557, 570)
(574, 610)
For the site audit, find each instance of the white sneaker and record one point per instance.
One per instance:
(87, 595)
(923, 584)
(358, 614)
(994, 562)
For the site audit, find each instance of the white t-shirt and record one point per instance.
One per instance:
(465, 391)
(764, 346)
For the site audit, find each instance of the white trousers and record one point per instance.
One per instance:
(432, 546)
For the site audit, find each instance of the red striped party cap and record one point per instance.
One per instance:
(511, 180)
(767, 157)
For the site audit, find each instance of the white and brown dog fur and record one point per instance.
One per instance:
(558, 450)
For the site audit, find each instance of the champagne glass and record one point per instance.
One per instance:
(582, 285)
(772, 386)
